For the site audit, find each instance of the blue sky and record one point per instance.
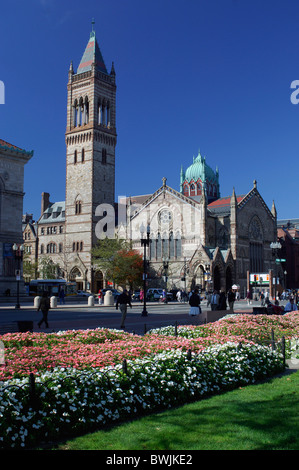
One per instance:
(213, 75)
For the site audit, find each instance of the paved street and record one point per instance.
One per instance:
(80, 316)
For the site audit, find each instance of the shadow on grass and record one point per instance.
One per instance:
(256, 417)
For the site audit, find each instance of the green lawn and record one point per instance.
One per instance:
(257, 417)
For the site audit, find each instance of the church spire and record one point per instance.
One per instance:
(92, 55)
(273, 210)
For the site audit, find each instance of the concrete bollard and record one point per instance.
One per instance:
(108, 298)
(36, 301)
(53, 302)
(90, 301)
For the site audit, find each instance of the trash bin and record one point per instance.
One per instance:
(25, 325)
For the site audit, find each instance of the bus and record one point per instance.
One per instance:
(52, 286)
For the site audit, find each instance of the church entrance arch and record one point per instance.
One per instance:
(98, 281)
(77, 277)
(198, 279)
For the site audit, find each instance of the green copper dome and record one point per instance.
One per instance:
(199, 170)
(200, 177)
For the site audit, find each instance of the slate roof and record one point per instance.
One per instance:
(54, 214)
(222, 205)
(92, 54)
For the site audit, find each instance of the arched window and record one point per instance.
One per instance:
(165, 246)
(81, 109)
(104, 156)
(81, 246)
(75, 156)
(42, 249)
(60, 247)
(178, 246)
(51, 248)
(86, 111)
(158, 246)
(186, 190)
(75, 113)
(171, 246)
(78, 207)
(82, 155)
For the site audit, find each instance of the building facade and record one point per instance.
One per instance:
(212, 245)
(199, 237)
(12, 162)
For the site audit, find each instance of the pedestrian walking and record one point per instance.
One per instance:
(100, 297)
(222, 301)
(61, 296)
(249, 297)
(123, 300)
(214, 300)
(231, 297)
(194, 303)
(141, 295)
(44, 306)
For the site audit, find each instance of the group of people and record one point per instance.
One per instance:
(218, 300)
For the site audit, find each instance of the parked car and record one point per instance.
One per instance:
(136, 295)
(82, 293)
(157, 294)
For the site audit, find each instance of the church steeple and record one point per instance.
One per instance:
(92, 56)
(90, 150)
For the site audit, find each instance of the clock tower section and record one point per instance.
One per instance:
(90, 157)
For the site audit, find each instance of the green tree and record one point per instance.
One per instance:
(119, 263)
(48, 269)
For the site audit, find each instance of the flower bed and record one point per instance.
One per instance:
(37, 352)
(84, 392)
(73, 401)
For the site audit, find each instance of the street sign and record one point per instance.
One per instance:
(259, 279)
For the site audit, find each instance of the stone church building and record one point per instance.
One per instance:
(202, 238)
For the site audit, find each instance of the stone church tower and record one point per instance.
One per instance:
(90, 156)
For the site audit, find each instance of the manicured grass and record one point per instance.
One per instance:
(256, 417)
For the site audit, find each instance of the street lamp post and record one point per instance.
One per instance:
(144, 242)
(18, 253)
(275, 246)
